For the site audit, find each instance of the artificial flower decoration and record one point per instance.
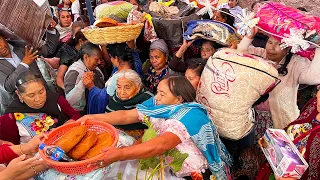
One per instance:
(18, 116)
(43, 124)
(296, 40)
(247, 22)
(208, 6)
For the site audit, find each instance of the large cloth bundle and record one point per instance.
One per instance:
(230, 84)
(211, 30)
(117, 10)
(279, 19)
(171, 29)
(24, 19)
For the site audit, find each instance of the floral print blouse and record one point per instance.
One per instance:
(195, 162)
(152, 79)
(30, 126)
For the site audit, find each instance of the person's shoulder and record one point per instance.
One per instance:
(238, 7)
(299, 60)
(147, 94)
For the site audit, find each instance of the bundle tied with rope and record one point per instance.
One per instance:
(170, 28)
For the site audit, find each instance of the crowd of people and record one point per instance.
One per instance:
(115, 83)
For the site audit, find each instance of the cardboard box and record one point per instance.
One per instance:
(282, 155)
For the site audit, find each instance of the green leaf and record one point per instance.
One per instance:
(149, 134)
(149, 163)
(147, 121)
(178, 159)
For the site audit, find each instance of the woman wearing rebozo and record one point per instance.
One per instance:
(179, 123)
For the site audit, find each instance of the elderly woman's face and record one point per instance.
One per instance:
(34, 95)
(206, 50)
(126, 89)
(164, 95)
(65, 19)
(91, 62)
(158, 59)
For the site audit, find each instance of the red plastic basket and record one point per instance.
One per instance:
(79, 167)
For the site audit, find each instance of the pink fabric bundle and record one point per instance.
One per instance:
(279, 19)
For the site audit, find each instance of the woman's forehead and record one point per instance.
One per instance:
(64, 13)
(156, 52)
(272, 39)
(124, 80)
(33, 86)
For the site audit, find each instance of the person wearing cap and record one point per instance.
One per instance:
(159, 54)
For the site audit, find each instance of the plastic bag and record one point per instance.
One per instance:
(117, 10)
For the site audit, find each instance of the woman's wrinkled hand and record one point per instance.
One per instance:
(87, 80)
(187, 43)
(20, 165)
(33, 145)
(29, 55)
(233, 45)
(110, 155)
(83, 119)
(52, 25)
(254, 31)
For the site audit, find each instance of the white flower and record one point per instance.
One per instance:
(295, 40)
(208, 7)
(247, 22)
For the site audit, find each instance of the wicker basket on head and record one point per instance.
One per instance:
(112, 35)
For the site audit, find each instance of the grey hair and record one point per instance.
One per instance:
(131, 75)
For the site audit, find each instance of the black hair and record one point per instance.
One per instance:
(63, 10)
(253, 4)
(302, 9)
(180, 86)
(283, 70)
(236, 1)
(24, 79)
(77, 24)
(2, 35)
(122, 51)
(212, 43)
(229, 19)
(197, 65)
(76, 39)
(90, 49)
(84, 19)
